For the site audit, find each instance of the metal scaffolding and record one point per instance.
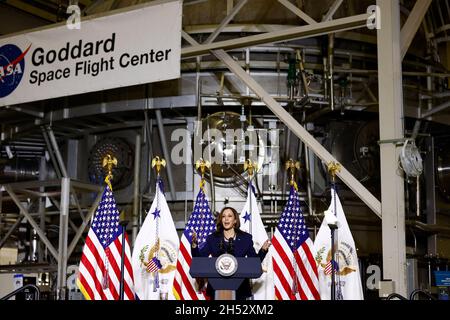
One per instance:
(63, 194)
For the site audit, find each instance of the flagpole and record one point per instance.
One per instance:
(123, 224)
(157, 163)
(109, 161)
(332, 169)
(292, 166)
(250, 167)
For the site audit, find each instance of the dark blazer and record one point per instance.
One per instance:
(242, 247)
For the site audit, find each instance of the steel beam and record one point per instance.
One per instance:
(55, 147)
(63, 233)
(334, 7)
(299, 131)
(436, 109)
(10, 231)
(301, 32)
(297, 12)
(226, 21)
(1, 212)
(28, 110)
(35, 11)
(85, 186)
(118, 106)
(412, 24)
(86, 220)
(34, 184)
(391, 128)
(430, 183)
(31, 221)
(50, 152)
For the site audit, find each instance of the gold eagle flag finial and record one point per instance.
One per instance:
(250, 167)
(202, 165)
(292, 166)
(333, 168)
(108, 162)
(158, 162)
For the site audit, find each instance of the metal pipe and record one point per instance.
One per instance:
(308, 181)
(149, 134)
(59, 158)
(166, 153)
(63, 232)
(430, 191)
(189, 167)
(15, 170)
(211, 175)
(42, 177)
(136, 185)
(436, 109)
(331, 69)
(429, 89)
(50, 151)
(286, 156)
(1, 212)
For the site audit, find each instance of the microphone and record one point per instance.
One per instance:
(230, 246)
(221, 246)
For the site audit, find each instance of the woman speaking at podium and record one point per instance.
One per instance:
(228, 238)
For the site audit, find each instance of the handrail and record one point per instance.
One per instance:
(417, 291)
(396, 295)
(37, 292)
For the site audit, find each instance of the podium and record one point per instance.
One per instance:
(225, 286)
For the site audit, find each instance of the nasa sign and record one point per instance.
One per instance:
(124, 48)
(12, 67)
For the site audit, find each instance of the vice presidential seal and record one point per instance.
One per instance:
(226, 265)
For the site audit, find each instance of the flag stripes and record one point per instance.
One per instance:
(295, 270)
(92, 269)
(202, 223)
(102, 255)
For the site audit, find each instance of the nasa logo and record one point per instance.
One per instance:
(12, 67)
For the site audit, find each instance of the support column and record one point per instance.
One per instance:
(430, 183)
(42, 177)
(63, 227)
(391, 127)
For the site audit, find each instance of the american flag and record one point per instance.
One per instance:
(154, 265)
(295, 270)
(99, 272)
(328, 268)
(202, 222)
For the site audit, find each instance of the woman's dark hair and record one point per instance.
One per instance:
(219, 226)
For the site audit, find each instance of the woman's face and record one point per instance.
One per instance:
(228, 219)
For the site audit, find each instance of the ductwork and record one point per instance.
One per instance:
(14, 170)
